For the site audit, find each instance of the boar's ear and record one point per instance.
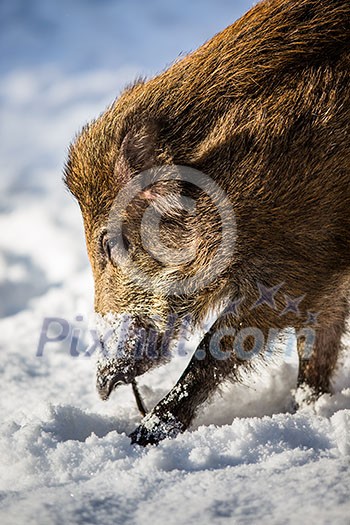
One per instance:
(137, 151)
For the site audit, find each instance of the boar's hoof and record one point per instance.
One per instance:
(155, 428)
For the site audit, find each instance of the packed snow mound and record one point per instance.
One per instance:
(65, 455)
(72, 466)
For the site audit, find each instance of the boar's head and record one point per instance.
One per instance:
(158, 234)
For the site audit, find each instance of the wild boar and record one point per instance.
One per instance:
(221, 187)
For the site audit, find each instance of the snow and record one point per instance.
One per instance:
(65, 454)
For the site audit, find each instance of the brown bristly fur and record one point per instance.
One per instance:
(264, 110)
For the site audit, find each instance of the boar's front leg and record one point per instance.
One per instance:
(174, 413)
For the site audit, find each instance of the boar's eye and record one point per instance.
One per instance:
(107, 244)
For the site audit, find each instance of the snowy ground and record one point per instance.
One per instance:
(65, 455)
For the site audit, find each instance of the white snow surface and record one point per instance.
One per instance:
(65, 455)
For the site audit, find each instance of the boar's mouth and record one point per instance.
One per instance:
(130, 349)
(106, 383)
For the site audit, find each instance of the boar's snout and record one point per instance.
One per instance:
(127, 349)
(107, 381)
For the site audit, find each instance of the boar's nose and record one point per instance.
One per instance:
(107, 381)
